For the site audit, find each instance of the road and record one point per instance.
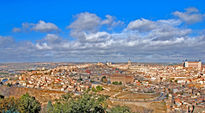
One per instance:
(161, 97)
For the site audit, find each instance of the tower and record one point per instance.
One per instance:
(129, 63)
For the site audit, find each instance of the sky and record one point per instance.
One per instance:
(100, 31)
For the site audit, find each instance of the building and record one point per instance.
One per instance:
(121, 78)
(129, 62)
(196, 64)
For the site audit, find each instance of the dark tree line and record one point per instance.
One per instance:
(68, 103)
(24, 104)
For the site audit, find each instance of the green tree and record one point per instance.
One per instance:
(93, 89)
(11, 111)
(117, 83)
(28, 104)
(104, 79)
(99, 88)
(120, 109)
(8, 105)
(86, 103)
(9, 85)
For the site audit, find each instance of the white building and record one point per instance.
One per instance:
(197, 65)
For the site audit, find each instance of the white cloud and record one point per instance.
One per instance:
(43, 46)
(172, 22)
(6, 41)
(157, 30)
(192, 10)
(41, 26)
(49, 42)
(51, 37)
(85, 21)
(141, 40)
(13, 51)
(16, 29)
(190, 16)
(111, 21)
(97, 37)
(141, 25)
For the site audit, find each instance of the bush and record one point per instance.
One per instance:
(28, 104)
(99, 88)
(86, 103)
(8, 105)
(117, 83)
(93, 89)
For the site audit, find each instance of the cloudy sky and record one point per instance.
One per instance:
(91, 31)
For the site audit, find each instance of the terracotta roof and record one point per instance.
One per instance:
(193, 61)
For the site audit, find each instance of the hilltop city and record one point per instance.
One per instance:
(173, 88)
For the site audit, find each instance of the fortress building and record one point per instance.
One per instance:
(191, 64)
(121, 78)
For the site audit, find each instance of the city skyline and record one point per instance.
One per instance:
(89, 31)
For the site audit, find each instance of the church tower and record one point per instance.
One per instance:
(129, 63)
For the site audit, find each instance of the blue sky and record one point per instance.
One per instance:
(33, 30)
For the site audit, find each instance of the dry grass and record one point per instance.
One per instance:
(130, 95)
(158, 107)
(43, 96)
